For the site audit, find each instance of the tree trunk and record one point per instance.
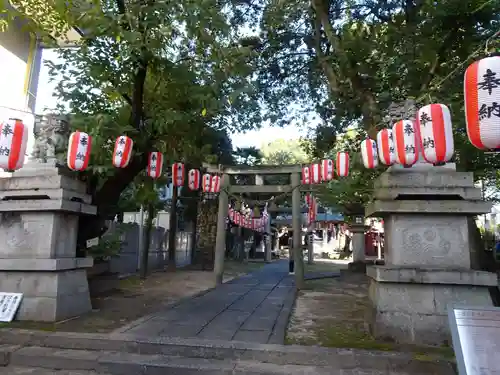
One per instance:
(147, 241)
(106, 200)
(206, 233)
(172, 231)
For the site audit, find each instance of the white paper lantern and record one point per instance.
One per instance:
(436, 133)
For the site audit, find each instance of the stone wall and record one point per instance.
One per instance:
(128, 260)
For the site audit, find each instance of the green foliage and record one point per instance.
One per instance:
(247, 156)
(109, 245)
(350, 60)
(282, 152)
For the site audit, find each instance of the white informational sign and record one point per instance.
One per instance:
(476, 339)
(9, 303)
(93, 242)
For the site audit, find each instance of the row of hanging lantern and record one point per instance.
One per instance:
(430, 135)
(432, 132)
(245, 220)
(325, 171)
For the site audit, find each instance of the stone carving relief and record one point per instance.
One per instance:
(51, 138)
(435, 242)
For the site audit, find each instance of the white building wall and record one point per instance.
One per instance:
(20, 62)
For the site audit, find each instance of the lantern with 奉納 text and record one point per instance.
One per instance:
(406, 142)
(342, 164)
(13, 142)
(482, 103)
(327, 170)
(155, 164)
(79, 147)
(215, 184)
(315, 173)
(385, 146)
(369, 153)
(207, 183)
(306, 176)
(122, 151)
(194, 179)
(178, 174)
(436, 133)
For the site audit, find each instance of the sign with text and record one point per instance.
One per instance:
(9, 303)
(476, 339)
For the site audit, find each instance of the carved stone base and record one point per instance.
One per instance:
(409, 305)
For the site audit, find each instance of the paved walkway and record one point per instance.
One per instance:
(252, 308)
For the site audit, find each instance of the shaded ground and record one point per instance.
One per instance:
(136, 298)
(331, 313)
(251, 308)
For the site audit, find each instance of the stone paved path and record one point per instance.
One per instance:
(252, 308)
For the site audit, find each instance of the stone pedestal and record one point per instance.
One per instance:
(39, 209)
(358, 247)
(427, 253)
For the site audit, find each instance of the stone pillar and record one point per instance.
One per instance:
(267, 244)
(310, 245)
(298, 257)
(39, 209)
(427, 253)
(358, 229)
(220, 239)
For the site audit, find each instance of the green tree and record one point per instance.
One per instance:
(161, 72)
(355, 62)
(282, 151)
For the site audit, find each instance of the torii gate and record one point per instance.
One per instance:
(294, 186)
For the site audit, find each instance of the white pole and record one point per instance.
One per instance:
(141, 236)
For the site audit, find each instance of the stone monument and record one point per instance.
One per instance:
(39, 209)
(427, 253)
(358, 229)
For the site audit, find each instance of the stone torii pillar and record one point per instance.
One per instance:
(298, 256)
(220, 239)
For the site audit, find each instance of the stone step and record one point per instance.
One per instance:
(120, 363)
(23, 342)
(43, 371)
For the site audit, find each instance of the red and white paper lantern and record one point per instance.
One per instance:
(178, 174)
(315, 173)
(13, 142)
(482, 103)
(194, 179)
(155, 164)
(369, 153)
(207, 183)
(215, 185)
(342, 164)
(122, 151)
(79, 147)
(230, 214)
(237, 218)
(306, 176)
(327, 170)
(436, 133)
(385, 146)
(308, 200)
(406, 142)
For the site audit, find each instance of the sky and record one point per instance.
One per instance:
(253, 138)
